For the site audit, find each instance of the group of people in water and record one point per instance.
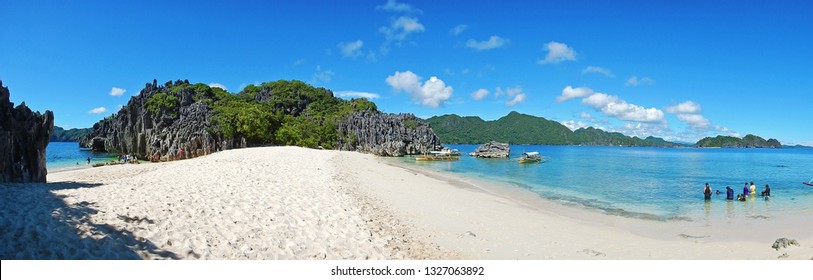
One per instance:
(747, 190)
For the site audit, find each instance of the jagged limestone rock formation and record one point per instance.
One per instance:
(386, 134)
(492, 149)
(149, 132)
(24, 135)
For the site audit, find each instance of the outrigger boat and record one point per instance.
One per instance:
(453, 152)
(810, 183)
(438, 156)
(530, 157)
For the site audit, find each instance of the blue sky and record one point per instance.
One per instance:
(680, 70)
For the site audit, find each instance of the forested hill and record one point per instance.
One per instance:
(69, 135)
(516, 128)
(749, 141)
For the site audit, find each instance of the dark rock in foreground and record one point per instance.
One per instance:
(784, 243)
(386, 134)
(492, 149)
(24, 135)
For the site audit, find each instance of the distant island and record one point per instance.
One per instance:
(749, 141)
(517, 128)
(69, 135)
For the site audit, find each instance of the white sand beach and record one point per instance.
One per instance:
(297, 203)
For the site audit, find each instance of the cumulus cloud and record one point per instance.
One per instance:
(97, 110)
(574, 125)
(688, 107)
(431, 93)
(557, 52)
(479, 94)
(394, 6)
(117, 91)
(351, 49)
(493, 42)
(571, 93)
(458, 29)
(358, 94)
(322, 76)
(634, 81)
(218, 85)
(585, 115)
(615, 107)
(599, 70)
(690, 113)
(515, 95)
(400, 29)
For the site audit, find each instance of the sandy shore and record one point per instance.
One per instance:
(296, 203)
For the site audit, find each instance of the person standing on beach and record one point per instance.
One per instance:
(729, 193)
(707, 192)
(180, 153)
(753, 189)
(745, 190)
(88, 160)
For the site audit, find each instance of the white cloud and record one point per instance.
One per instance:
(400, 29)
(615, 107)
(479, 94)
(97, 110)
(694, 120)
(351, 49)
(571, 93)
(458, 29)
(516, 95)
(574, 125)
(393, 6)
(431, 93)
(688, 107)
(599, 70)
(117, 91)
(493, 42)
(634, 81)
(519, 98)
(218, 85)
(321, 76)
(299, 62)
(358, 94)
(585, 115)
(689, 112)
(557, 52)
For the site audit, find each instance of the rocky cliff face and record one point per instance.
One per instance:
(492, 149)
(172, 132)
(386, 134)
(24, 135)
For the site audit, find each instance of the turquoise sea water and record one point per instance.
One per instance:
(61, 155)
(651, 183)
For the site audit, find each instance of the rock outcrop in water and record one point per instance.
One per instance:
(386, 134)
(183, 130)
(24, 135)
(492, 149)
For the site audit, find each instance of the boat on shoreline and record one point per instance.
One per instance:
(530, 157)
(438, 156)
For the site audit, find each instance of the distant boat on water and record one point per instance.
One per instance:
(530, 157)
(809, 183)
(438, 156)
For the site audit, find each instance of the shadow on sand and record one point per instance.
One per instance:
(36, 223)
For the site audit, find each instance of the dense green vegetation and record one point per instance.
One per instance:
(516, 128)
(70, 135)
(749, 141)
(163, 101)
(281, 112)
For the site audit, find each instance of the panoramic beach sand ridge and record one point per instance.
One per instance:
(297, 203)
